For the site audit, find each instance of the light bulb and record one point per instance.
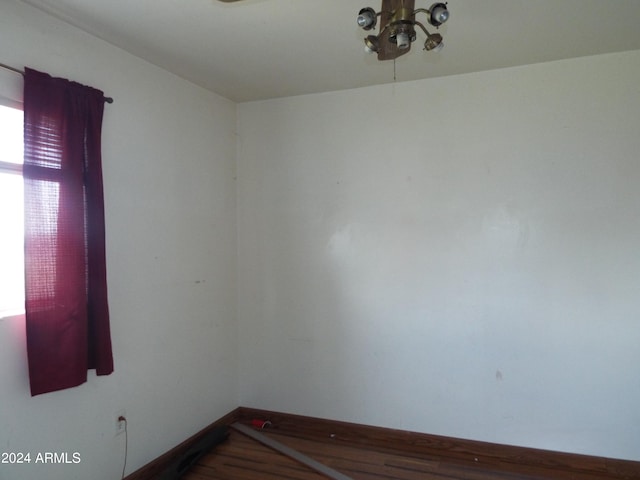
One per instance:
(438, 14)
(371, 44)
(434, 42)
(402, 40)
(367, 18)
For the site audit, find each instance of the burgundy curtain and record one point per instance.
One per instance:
(67, 315)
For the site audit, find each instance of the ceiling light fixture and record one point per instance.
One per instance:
(397, 27)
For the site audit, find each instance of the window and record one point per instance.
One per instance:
(11, 212)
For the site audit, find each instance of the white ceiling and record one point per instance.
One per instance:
(257, 49)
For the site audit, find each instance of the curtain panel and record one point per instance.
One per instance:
(67, 314)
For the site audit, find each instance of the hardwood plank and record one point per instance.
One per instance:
(242, 458)
(526, 462)
(292, 453)
(154, 468)
(372, 453)
(369, 464)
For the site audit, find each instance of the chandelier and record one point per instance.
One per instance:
(398, 27)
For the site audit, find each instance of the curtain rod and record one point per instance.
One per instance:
(15, 70)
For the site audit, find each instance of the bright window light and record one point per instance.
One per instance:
(11, 213)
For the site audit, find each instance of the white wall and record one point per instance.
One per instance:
(456, 256)
(169, 167)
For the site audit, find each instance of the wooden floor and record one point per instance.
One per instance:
(241, 457)
(371, 453)
(361, 452)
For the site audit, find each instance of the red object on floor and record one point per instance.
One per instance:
(260, 423)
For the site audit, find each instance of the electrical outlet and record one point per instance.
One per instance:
(121, 421)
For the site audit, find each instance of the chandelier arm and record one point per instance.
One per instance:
(422, 27)
(422, 10)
